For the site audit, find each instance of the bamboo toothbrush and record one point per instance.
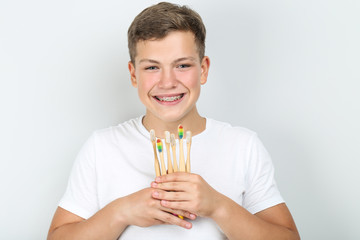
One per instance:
(175, 165)
(188, 144)
(181, 152)
(173, 148)
(167, 143)
(162, 163)
(153, 140)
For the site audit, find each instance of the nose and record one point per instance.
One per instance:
(167, 79)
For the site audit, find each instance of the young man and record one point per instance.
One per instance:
(231, 193)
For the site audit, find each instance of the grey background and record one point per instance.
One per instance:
(288, 70)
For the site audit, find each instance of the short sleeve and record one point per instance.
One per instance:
(80, 197)
(261, 191)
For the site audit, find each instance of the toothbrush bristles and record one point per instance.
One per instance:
(181, 132)
(159, 145)
(188, 136)
(172, 140)
(167, 136)
(152, 135)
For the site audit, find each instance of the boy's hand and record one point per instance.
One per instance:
(142, 210)
(188, 192)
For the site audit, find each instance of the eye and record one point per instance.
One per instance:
(183, 66)
(151, 68)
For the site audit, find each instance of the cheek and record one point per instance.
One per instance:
(190, 79)
(146, 82)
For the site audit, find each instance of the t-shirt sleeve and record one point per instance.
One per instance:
(261, 191)
(80, 196)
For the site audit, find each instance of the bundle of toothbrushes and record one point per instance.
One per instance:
(170, 143)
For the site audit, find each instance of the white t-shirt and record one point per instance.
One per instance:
(118, 161)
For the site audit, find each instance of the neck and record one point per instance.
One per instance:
(191, 122)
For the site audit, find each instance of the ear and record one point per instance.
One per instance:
(131, 67)
(205, 65)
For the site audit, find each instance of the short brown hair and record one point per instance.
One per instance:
(157, 21)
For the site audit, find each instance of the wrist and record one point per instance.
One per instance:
(219, 206)
(225, 208)
(219, 210)
(118, 208)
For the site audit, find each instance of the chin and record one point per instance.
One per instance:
(171, 117)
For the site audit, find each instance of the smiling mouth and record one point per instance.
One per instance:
(169, 98)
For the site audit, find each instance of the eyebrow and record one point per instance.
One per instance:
(175, 61)
(184, 59)
(148, 60)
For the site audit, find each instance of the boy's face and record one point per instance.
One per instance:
(168, 75)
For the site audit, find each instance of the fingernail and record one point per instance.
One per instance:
(157, 179)
(188, 225)
(154, 184)
(192, 216)
(156, 194)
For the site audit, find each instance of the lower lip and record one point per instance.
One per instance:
(169, 103)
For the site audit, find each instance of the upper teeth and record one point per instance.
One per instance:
(169, 99)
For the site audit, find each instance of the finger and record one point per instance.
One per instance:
(169, 186)
(183, 205)
(174, 220)
(157, 222)
(178, 213)
(170, 196)
(174, 177)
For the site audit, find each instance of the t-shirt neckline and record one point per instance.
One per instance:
(146, 133)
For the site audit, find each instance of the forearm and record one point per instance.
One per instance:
(107, 223)
(237, 223)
